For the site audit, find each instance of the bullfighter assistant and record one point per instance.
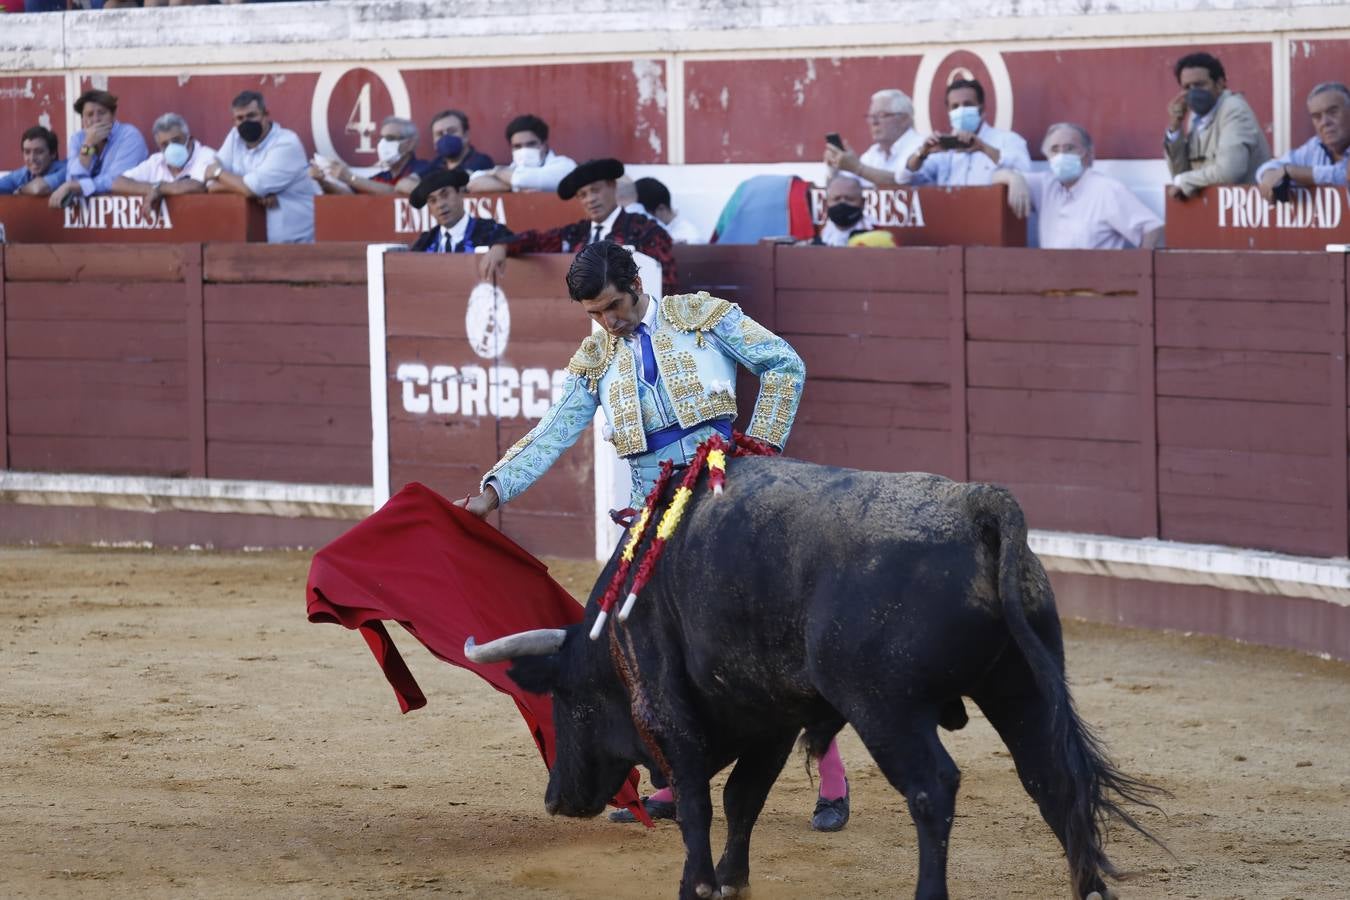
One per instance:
(664, 372)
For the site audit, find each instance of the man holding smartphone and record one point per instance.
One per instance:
(969, 155)
(891, 121)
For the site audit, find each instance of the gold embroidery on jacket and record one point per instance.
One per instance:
(773, 409)
(694, 402)
(754, 333)
(695, 312)
(625, 410)
(592, 359)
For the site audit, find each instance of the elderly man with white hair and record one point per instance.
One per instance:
(891, 120)
(178, 168)
(1080, 209)
(1322, 158)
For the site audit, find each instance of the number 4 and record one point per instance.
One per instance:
(361, 122)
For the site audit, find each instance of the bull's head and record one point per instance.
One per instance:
(597, 745)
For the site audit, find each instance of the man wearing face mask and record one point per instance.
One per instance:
(402, 169)
(1224, 143)
(843, 211)
(968, 156)
(178, 168)
(594, 184)
(455, 231)
(1080, 208)
(534, 166)
(1321, 160)
(100, 151)
(266, 163)
(450, 134)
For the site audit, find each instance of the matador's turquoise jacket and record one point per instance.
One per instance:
(697, 340)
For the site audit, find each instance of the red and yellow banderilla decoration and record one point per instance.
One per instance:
(713, 453)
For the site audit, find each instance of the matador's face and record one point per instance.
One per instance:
(617, 311)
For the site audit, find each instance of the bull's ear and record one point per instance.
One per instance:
(536, 674)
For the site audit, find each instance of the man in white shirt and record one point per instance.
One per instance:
(534, 166)
(1321, 160)
(178, 168)
(1080, 209)
(267, 163)
(891, 120)
(655, 199)
(974, 149)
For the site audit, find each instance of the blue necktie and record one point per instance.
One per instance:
(648, 357)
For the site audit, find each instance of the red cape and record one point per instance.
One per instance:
(444, 575)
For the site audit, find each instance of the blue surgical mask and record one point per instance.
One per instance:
(176, 155)
(450, 145)
(1066, 167)
(965, 118)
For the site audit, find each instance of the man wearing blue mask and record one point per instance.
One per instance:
(1080, 208)
(454, 150)
(178, 168)
(969, 154)
(1224, 143)
(534, 165)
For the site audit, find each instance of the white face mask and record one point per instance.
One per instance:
(387, 150)
(527, 156)
(1066, 166)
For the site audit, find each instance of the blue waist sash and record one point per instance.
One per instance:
(659, 440)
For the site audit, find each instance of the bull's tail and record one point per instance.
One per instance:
(1089, 784)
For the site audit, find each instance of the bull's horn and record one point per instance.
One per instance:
(539, 642)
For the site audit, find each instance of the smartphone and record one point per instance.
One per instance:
(951, 142)
(834, 140)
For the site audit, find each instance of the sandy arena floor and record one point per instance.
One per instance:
(171, 725)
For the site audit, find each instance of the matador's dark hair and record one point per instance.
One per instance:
(599, 265)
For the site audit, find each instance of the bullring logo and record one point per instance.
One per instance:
(487, 321)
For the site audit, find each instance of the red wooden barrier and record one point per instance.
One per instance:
(1251, 411)
(1060, 385)
(1237, 217)
(390, 219)
(461, 391)
(105, 218)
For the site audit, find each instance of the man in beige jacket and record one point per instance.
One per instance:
(1224, 143)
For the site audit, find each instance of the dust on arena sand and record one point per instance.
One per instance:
(171, 724)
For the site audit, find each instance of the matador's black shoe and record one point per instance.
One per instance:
(831, 815)
(657, 809)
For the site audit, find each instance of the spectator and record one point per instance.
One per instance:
(972, 151)
(1080, 208)
(42, 172)
(100, 151)
(593, 183)
(178, 168)
(891, 119)
(534, 166)
(626, 195)
(454, 232)
(450, 133)
(655, 199)
(844, 214)
(398, 139)
(266, 162)
(1321, 159)
(1224, 144)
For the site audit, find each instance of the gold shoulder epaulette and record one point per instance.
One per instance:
(593, 358)
(695, 312)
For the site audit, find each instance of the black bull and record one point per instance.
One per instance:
(807, 597)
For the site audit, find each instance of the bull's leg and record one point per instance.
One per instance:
(693, 807)
(905, 745)
(1022, 718)
(743, 799)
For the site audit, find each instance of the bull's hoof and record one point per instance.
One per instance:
(1103, 894)
(705, 891)
(831, 815)
(731, 890)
